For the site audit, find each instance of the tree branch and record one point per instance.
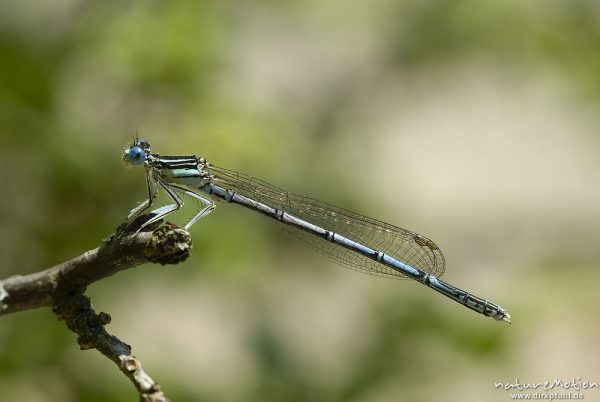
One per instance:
(63, 287)
(121, 251)
(81, 318)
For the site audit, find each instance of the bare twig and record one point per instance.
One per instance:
(165, 245)
(63, 287)
(81, 318)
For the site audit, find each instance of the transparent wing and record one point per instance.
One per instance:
(404, 245)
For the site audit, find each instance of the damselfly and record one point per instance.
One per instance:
(355, 241)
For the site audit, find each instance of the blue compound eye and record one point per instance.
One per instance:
(135, 155)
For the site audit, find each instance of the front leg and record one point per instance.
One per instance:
(152, 194)
(167, 209)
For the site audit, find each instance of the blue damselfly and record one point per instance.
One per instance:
(355, 241)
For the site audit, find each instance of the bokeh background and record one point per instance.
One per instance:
(474, 123)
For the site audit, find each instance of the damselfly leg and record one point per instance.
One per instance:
(152, 194)
(210, 205)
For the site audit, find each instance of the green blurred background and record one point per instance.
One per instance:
(474, 123)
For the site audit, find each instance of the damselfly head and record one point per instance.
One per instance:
(137, 152)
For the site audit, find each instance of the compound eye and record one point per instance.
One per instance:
(135, 155)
